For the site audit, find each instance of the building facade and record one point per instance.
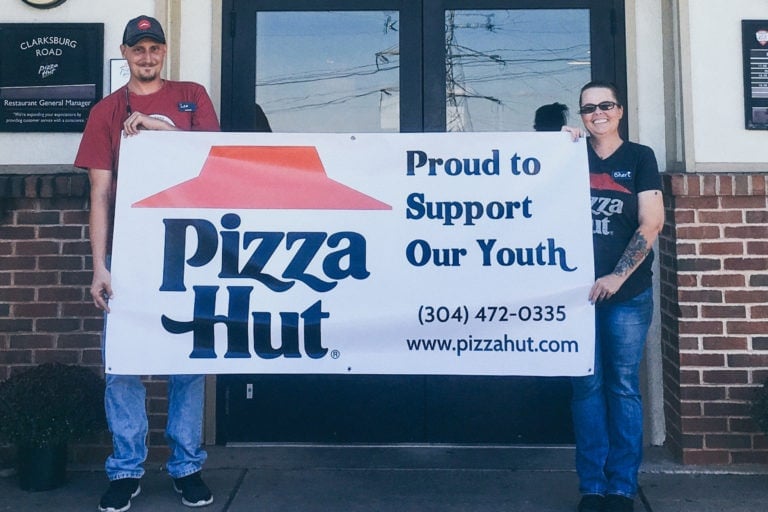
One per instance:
(681, 64)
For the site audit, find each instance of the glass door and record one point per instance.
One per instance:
(490, 65)
(322, 66)
(407, 66)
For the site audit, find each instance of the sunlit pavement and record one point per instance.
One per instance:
(407, 479)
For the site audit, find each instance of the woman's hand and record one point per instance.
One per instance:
(576, 133)
(605, 287)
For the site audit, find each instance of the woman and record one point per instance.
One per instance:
(628, 214)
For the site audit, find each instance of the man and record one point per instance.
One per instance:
(147, 102)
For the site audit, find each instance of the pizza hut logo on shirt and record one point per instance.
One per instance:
(762, 37)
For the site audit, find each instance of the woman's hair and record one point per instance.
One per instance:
(550, 118)
(603, 84)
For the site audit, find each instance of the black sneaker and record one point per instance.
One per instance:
(194, 492)
(118, 496)
(591, 503)
(618, 503)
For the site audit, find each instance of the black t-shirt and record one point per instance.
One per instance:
(614, 184)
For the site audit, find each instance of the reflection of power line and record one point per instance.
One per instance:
(506, 77)
(469, 72)
(583, 48)
(385, 62)
(385, 57)
(322, 76)
(335, 101)
(497, 57)
(467, 67)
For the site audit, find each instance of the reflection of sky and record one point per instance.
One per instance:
(338, 71)
(317, 70)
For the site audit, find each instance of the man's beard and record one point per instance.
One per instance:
(148, 78)
(146, 73)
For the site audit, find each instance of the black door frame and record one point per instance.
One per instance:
(422, 108)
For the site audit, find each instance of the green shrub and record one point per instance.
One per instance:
(50, 404)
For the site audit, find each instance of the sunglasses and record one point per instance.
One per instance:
(591, 107)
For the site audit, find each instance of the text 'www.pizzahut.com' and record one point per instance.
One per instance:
(506, 344)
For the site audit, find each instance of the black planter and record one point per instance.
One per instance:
(42, 469)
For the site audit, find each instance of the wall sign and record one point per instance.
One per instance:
(51, 75)
(43, 4)
(754, 36)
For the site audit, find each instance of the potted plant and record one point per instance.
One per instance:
(44, 408)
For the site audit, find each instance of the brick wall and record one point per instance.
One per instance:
(714, 306)
(46, 313)
(714, 302)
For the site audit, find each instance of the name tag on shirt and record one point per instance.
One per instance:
(622, 175)
(187, 106)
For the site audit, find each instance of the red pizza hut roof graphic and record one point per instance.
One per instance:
(262, 177)
(605, 182)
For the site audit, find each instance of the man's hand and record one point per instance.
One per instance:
(138, 121)
(101, 289)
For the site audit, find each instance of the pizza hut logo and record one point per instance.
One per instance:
(762, 37)
(263, 177)
(144, 25)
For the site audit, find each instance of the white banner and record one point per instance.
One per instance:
(434, 253)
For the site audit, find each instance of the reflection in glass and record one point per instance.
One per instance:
(502, 65)
(329, 71)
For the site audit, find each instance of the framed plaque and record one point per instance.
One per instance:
(754, 36)
(51, 75)
(118, 74)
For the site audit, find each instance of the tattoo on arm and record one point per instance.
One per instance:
(634, 254)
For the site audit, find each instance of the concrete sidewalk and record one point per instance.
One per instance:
(407, 479)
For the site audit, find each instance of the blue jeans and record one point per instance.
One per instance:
(607, 410)
(124, 402)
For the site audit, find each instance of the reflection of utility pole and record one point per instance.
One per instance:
(457, 91)
(389, 98)
(457, 111)
(390, 24)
